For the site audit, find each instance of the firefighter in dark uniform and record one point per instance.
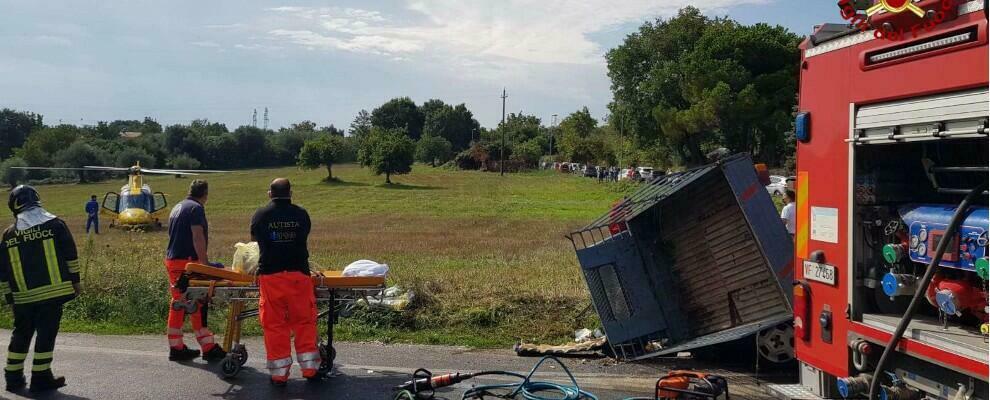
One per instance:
(39, 272)
(287, 307)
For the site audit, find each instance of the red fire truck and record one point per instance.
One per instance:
(891, 241)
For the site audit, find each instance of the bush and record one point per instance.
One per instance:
(183, 161)
(13, 176)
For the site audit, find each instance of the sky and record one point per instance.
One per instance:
(83, 62)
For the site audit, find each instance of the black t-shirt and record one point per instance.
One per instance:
(281, 230)
(185, 215)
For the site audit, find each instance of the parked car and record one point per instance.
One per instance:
(777, 186)
(591, 171)
(645, 172)
(629, 173)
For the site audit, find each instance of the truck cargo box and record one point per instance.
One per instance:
(688, 260)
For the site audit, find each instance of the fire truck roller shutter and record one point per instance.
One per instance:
(955, 114)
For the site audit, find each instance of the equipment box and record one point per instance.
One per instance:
(689, 260)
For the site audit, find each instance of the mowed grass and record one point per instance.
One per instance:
(486, 256)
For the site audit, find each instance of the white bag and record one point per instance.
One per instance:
(365, 268)
(246, 257)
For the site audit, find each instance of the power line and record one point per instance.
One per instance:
(254, 118)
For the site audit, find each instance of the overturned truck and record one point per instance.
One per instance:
(691, 259)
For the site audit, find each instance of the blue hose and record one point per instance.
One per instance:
(530, 389)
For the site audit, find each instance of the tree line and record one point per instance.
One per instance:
(682, 87)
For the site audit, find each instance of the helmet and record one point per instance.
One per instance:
(22, 198)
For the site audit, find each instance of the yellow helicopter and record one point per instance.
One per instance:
(136, 206)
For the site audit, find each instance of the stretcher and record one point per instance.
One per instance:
(202, 284)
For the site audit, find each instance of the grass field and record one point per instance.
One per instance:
(486, 256)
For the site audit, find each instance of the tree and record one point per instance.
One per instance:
(10, 175)
(574, 129)
(325, 150)
(456, 124)
(15, 126)
(78, 155)
(131, 155)
(399, 113)
(332, 130)
(361, 126)
(706, 83)
(251, 147)
(388, 152)
(431, 149)
(41, 146)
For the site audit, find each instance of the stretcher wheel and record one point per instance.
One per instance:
(230, 366)
(240, 354)
(327, 355)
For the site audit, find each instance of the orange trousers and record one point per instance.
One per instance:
(288, 308)
(176, 318)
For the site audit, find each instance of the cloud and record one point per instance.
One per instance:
(206, 43)
(526, 31)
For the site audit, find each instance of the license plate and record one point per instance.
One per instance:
(823, 273)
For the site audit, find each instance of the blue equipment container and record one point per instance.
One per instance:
(690, 259)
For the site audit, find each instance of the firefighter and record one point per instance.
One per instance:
(288, 301)
(39, 273)
(188, 240)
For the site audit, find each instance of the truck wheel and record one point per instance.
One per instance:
(777, 344)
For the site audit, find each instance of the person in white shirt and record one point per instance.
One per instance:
(787, 214)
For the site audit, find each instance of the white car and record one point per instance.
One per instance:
(777, 186)
(645, 172)
(624, 174)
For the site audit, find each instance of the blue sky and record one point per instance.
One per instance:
(324, 61)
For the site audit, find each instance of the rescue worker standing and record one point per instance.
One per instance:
(288, 301)
(93, 214)
(39, 273)
(188, 240)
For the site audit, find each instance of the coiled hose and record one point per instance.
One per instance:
(919, 293)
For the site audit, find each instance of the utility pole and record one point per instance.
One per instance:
(254, 118)
(266, 118)
(501, 157)
(553, 127)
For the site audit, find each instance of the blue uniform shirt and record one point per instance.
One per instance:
(92, 207)
(185, 215)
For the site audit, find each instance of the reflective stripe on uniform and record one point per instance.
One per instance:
(44, 293)
(309, 360)
(16, 356)
(4, 288)
(280, 363)
(175, 331)
(51, 258)
(41, 367)
(43, 355)
(73, 266)
(175, 342)
(279, 371)
(14, 367)
(15, 266)
(205, 340)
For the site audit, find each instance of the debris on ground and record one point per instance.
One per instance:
(395, 297)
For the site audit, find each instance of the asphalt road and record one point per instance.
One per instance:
(136, 367)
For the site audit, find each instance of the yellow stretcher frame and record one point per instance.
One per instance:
(201, 284)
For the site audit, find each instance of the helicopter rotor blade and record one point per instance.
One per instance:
(166, 172)
(182, 171)
(102, 168)
(51, 168)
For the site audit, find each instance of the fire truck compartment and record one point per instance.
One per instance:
(690, 259)
(967, 342)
